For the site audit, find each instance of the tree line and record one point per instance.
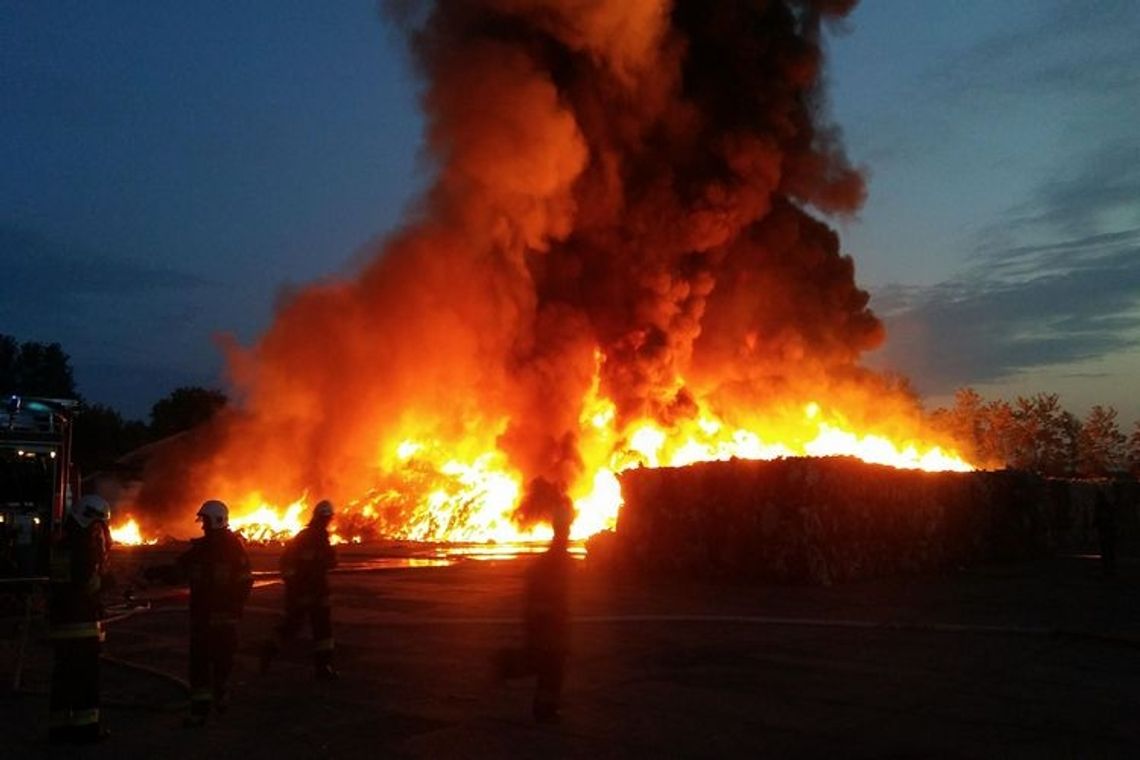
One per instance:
(101, 435)
(1036, 433)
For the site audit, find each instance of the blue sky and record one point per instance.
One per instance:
(1002, 234)
(169, 168)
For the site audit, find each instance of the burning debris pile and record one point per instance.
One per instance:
(617, 266)
(839, 519)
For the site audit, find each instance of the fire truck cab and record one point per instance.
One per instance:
(37, 480)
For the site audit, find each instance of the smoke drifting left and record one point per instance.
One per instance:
(620, 210)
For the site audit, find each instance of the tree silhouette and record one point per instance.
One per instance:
(101, 436)
(1101, 443)
(1040, 434)
(965, 421)
(1072, 442)
(35, 369)
(183, 409)
(998, 434)
(1134, 450)
(987, 432)
(1036, 433)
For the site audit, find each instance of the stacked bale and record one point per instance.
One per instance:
(825, 520)
(1072, 505)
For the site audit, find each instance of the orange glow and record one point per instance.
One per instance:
(129, 534)
(465, 490)
(257, 520)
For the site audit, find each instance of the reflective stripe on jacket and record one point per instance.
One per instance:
(87, 630)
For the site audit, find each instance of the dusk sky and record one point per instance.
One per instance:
(170, 168)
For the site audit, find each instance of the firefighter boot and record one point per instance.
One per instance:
(323, 662)
(267, 655)
(60, 734)
(201, 700)
(89, 734)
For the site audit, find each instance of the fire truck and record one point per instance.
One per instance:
(37, 480)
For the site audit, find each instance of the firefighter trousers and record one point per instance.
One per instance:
(213, 643)
(547, 665)
(320, 619)
(74, 701)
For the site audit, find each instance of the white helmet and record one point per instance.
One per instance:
(324, 508)
(214, 514)
(90, 508)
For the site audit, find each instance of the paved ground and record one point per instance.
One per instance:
(1034, 660)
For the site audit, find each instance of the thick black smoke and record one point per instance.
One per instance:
(622, 184)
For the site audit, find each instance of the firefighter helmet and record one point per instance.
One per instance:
(324, 509)
(90, 508)
(214, 514)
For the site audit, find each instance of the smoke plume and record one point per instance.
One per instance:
(622, 205)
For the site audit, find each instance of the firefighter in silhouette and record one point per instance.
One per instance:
(305, 564)
(78, 565)
(217, 569)
(546, 614)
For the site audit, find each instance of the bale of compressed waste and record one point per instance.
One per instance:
(832, 519)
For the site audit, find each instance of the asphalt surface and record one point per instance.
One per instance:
(1032, 660)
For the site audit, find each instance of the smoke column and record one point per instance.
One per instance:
(623, 189)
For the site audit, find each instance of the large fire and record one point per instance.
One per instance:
(476, 500)
(620, 263)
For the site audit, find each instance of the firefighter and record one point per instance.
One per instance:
(217, 569)
(546, 611)
(304, 567)
(78, 564)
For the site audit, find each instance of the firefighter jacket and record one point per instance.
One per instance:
(304, 566)
(217, 569)
(547, 602)
(78, 564)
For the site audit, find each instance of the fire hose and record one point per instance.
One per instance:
(121, 612)
(180, 683)
(25, 624)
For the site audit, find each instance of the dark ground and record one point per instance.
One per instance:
(659, 669)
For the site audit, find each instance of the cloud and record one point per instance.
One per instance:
(979, 329)
(1062, 67)
(44, 269)
(1105, 182)
(1068, 48)
(1055, 282)
(55, 292)
(133, 329)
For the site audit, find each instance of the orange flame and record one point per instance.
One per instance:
(129, 534)
(257, 520)
(467, 491)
